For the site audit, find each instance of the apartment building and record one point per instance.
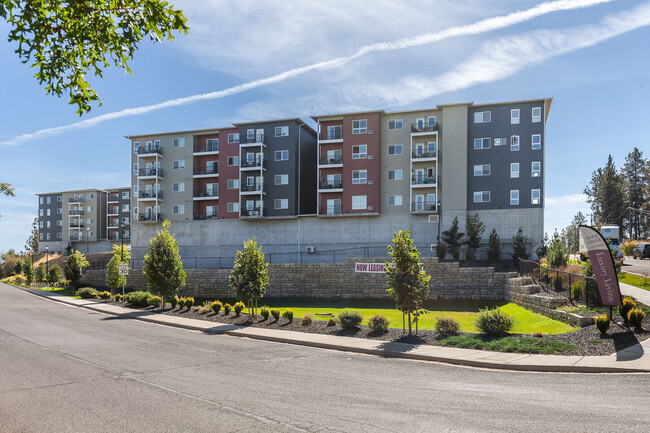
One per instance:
(118, 215)
(82, 219)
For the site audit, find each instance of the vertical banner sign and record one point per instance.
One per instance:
(602, 264)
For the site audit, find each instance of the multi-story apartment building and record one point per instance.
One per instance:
(81, 219)
(118, 215)
(372, 173)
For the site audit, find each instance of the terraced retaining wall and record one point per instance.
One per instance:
(335, 280)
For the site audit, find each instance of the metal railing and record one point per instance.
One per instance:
(424, 128)
(206, 170)
(257, 139)
(205, 216)
(423, 207)
(416, 155)
(76, 200)
(249, 188)
(333, 135)
(151, 194)
(76, 225)
(423, 180)
(150, 172)
(257, 212)
(247, 164)
(205, 147)
(332, 160)
(145, 217)
(153, 149)
(76, 212)
(331, 184)
(206, 193)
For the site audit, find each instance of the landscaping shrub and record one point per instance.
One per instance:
(174, 301)
(227, 308)
(138, 298)
(205, 308)
(189, 301)
(154, 301)
(627, 305)
(636, 317)
(468, 255)
(181, 303)
(288, 314)
(447, 326)
(87, 293)
(493, 322)
(349, 319)
(331, 322)
(105, 295)
(118, 297)
(216, 306)
(265, 312)
(378, 323)
(577, 290)
(238, 307)
(441, 251)
(306, 320)
(276, 314)
(602, 322)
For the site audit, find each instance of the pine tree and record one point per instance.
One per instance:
(407, 282)
(519, 246)
(454, 238)
(494, 247)
(39, 274)
(606, 193)
(557, 254)
(32, 241)
(572, 233)
(637, 178)
(249, 277)
(28, 270)
(474, 229)
(163, 268)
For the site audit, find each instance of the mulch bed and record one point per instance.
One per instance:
(588, 339)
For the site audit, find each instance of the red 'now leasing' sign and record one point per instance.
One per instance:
(371, 268)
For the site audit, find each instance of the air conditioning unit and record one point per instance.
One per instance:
(371, 182)
(311, 249)
(371, 131)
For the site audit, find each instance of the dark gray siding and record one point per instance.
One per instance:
(499, 182)
(308, 172)
(55, 231)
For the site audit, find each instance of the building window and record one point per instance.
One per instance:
(41, 212)
(59, 223)
(536, 141)
(178, 186)
(481, 196)
(135, 190)
(394, 200)
(481, 143)
(49, 212)
(431, 200)
(48, 224)
(125, 208)
(514, 170)
(537, 114)
(250, 204)
(48, 236)
(535, 196)
(40, 236)
(59, 211)
(89, 220)
(90, 196)
(233, 207)
(179, 142)
(359, 176)
(250, 134)
(395, 174)
(359, 126)
(395, 124)
(58, 235)
(482, 170)
(514, 197)
(536, 169)
(59, 199)
(359, 202)
(281, 131)
(233, 161)
(212, 145)
(233, 183)
(41, 200)
(178, 209)
(233, 138)
(514, 143)
(40, 223)
(136, 146)
(179, 165)
(49, 200)
(395, 149)
(250, 157)
(126, 220)
(334, 132)
(359, 151)
(135, 169)
(482, 117)
(281, 203)
(281, 155)
(281, 179)
(514, 116)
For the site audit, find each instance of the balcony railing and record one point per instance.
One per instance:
(331, 184)
(331, 161)
(150, 172)
(76, 238)
(76, 212)
(76, 200)
(205, 216)
(151, 194)
(206, 193)
(423, 155)
(424, 128)
(206, 170)
(147, 150)
(114, 211)
(205, 147)
(257, 212)
(113, 224)
(421, 180)
(330, 210)
(76, 225)
(333, 135)
(150, 217)
(249, 188)
(246, 164)
(258, 138)
(423, 207)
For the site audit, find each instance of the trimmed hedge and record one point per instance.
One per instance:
(138, 298)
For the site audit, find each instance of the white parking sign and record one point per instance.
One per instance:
(123, 269)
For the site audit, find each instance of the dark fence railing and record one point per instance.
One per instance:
(423, 128)
(150, 172)
(332, 160)
(206, 147)
(416, 155)
(331, 184)
(147, 150)
(206, 170)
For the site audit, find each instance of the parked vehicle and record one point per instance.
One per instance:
(611, 233)
(641, 251)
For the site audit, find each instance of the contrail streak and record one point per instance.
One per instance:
(479, 27)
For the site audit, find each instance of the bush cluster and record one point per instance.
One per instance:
(216, 306)
(602, 322)
(105, 295)
(276, 314)
(493, 322)
(174, 301)
(154, 301)
(626, 306)
(265, 312)
(87, 293)
(636, 316)
(118, 297)
(447, 326)
(288, 314)
(206, 307)
(306, 320)
(331, 322)
(378, 324)
(227, 308)
(138, 298)
(238, 307)
(189, 302)
(349, 319)
(577, 290)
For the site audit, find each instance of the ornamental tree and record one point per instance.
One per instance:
(494, 247)
(54, 275)
(39, 274)
(249, 277)
(113, 278)
(28, 270)
(163, 268)
(73, 266)
(519, 249)
(454, 238)
(474, 229)
(407, 282)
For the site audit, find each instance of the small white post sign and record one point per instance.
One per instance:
(123, 270)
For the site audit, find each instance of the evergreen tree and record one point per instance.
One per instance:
(557, 254)
(54, 275)
(163, 268)
(494, 247)
(637, 178)
(28, 270)
(39, 274)
(606, 193)
(572, 233)
(113, 279)
(454, 238)
(474, 229)
(541, 250)
(407, 282)
(249, 277)
(519, 246)
(32, 241)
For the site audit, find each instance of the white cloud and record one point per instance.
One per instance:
(560, 210)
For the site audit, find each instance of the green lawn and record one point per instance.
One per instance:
(60, 290)
(527, 322)
(506, 344)
(635, 280)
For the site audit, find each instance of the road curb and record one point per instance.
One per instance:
(555, 364)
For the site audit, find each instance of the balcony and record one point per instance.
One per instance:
(331, 137)
(421, 129)
(150, 173)
(423, 155)
(422, 181)
(204, 216)
(150, 218)
(76, 213)
(257, 140)
(114, 224)
(423, 207)
(330, 210)
(112, 211)
(149, 151)
(253, 165)
(113, 198)
(333, 162)
(150, 196)
(206, 171)
(206, 149)
(252, 189)
(257, 212)
(75, 238)
(76, 200)
(206, 194)
(78, 224)
(331, 186)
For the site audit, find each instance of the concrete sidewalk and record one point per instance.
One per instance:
(640, 295)
(633, 359)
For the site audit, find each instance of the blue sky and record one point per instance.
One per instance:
(591, 56)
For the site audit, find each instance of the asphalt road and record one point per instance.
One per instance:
(65, 369)
(637, 266)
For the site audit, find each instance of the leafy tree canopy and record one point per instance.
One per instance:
(163, 268)
(249, 276)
